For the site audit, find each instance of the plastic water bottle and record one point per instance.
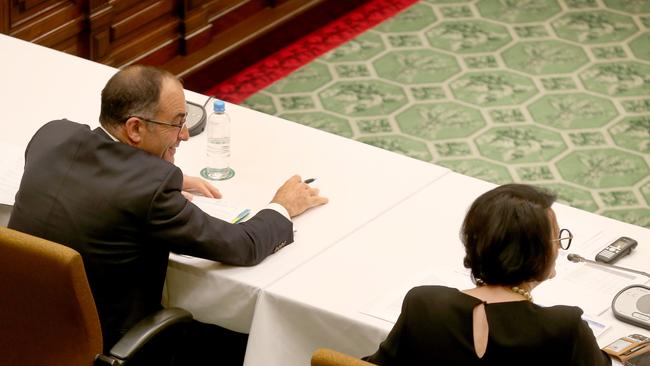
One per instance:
(218, 127)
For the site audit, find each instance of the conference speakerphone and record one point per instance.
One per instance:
(632, 305)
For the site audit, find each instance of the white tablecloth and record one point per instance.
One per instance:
(327, 301)
(361, 182)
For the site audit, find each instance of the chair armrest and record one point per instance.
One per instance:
(146, 329)
(328, 357)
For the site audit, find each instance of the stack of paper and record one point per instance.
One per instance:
(221, 209)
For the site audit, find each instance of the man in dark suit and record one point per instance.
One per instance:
(114, 195)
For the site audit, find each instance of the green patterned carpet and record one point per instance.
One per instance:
(552, 93)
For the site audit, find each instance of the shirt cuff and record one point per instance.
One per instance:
(279, 209)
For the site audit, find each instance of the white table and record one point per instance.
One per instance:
(323, 303)
(361, 182)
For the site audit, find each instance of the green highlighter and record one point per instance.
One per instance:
(242, 215)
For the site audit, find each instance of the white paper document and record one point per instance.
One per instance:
(221, 209)
(12, 163)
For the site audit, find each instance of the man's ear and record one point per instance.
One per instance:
(134, 129)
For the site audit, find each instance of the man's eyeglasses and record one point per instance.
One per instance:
(180, 126)
(565, 239)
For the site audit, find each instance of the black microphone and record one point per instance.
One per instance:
(575, 258)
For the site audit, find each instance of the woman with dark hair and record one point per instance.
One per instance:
(511, 240)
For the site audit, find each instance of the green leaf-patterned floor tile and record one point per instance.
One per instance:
(531, 31)
(377, 125)
(468, 36)
(558, 83)
(447, 1)
(361, 48)
(404, 40)
(581, 4)
(481, 62)
(352, 70)
(421, 93)
(572, 111)
(572, 196)
(453, 149)
(362, 98)
(646, 21)
(416, 66)
(630, 6)
(401, 145)
(518, 11)
(645, 191)
(618, 79)
(641, 46)
(261, 102)
(608, 52)
(534, 173)
(494, 88)
(322, 121)
(439, 121)
(509, 115)
(602, 168)
(525, 144)
(596, 26)
(480, 169)
(638, 216)
(636, 105)
(618, 198)
(544, 57)
(633, 133)
(414, 18)
(307, 78)
(456, 12)
(587, 138)
(296, 102)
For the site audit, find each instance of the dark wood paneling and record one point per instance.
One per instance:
(137, 20)
(203, 41)
(133, 47)
(5, 11)
(57, 24)
(228, 17)
(100, 19)
(254, 38)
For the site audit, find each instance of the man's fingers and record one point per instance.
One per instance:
(187, 195)
(320, 200)
(212, 191)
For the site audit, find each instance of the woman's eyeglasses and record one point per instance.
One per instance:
(565, 239)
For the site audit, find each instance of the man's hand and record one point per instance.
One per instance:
(199, 186)
(297, 196)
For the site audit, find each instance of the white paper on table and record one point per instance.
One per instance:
(218, 208)
(12, 164)
(597, 325)
(389, 306)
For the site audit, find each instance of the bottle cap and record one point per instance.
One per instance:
(219, 106)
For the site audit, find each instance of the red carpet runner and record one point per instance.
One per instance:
(282, 63)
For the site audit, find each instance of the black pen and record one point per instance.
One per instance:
(309, 180)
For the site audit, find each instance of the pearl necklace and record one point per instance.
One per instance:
(522, 292)
(515, 289)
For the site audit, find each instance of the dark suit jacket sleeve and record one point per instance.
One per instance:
(188, 230)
